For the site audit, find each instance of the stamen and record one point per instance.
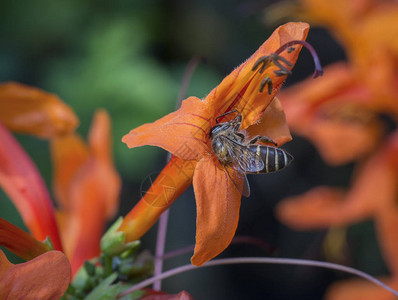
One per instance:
(288, 46)
(266, 81)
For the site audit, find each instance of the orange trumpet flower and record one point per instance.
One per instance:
(29, 110)
(341, 116)
(87, 187)
(185, 134)
(367, 30)
(86, 183)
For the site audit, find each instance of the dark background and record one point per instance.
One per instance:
(129, 57)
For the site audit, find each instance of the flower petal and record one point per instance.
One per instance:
(174, 179)
(373, 187)
(240, 89)
(184, 133)
(272, 124)
(218, 204)
(30, 110)
(92, 188)
(19, 242)
(100, 141)
(22, 182)
(45, 277)
(68, 154)
(337, 114)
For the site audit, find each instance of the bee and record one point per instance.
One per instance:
(240, 156)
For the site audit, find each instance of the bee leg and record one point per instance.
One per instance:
(263, 139)
(227, 113)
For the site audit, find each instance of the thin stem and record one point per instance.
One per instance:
(257, 260)
(318, 67)
(186, 79)
(162, 227)
(160, 245)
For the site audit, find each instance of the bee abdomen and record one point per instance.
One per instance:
(274, 159)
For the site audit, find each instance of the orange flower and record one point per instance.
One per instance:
(86, 183)
(340, 115)
(87, 188)
(30, 110)
(185, 134)
(367, 29)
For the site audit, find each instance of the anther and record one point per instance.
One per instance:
(266, 81)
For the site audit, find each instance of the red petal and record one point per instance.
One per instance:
(22, 182)
(19, 242)
(218, 203)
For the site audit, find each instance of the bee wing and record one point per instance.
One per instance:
(243, 158)
(239, 180)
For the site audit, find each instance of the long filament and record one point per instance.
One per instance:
(259, 260)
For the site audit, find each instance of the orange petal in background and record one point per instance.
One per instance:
(22, 182)
(373, 187)
(337, 114)
(68, 154)
(218, 204)
(30, 110)
(19, 242)
(44, 277)
(183, 133)
(90, 185)
(100, 142)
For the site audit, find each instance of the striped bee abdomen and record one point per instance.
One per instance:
(274, 158)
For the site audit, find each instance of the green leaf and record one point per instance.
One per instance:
(105, 290)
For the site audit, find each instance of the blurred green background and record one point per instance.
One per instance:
(129, 57)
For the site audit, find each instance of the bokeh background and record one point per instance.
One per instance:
(129, 58)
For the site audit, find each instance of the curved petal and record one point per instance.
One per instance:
(68, 154)
(184, 133)
(272, 124)
(337, 114)
(240, 89)
(172, 181)
(340, 142)
(318, 208)
(218, 204)
(30, 110)
(100, 141)
(373, 187)
(86, 218)
(19, 242)
(22, 182)
(45, 277)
